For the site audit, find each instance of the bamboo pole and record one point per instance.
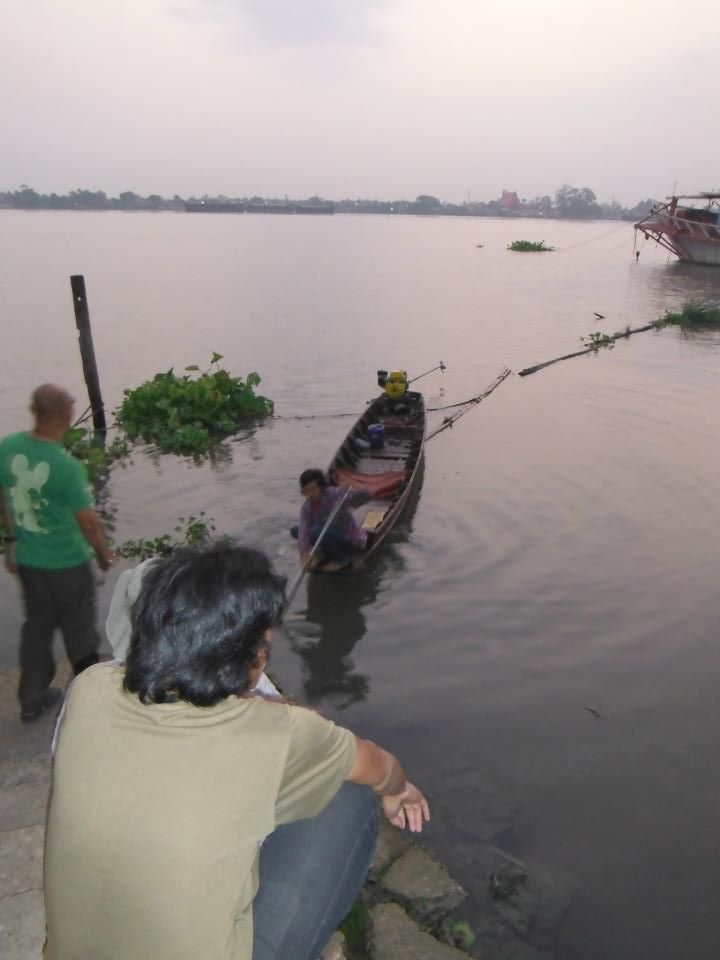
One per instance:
(303, 570)
(620, 335)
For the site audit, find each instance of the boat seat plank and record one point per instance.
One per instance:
(370, 515)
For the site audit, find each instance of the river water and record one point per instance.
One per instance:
(562, 553)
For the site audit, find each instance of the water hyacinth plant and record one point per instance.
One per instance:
(187, 414)
(94, 452)
(529, 246)
(695, 314)
(192, 531)
(597, 340)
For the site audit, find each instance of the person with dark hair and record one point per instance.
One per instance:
(190, 819)
(345, 536)
(52, 531)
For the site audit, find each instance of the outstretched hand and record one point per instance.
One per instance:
(409, 808)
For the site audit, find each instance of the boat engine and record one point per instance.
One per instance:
(394, 383)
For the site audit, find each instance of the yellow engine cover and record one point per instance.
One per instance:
(396, 384)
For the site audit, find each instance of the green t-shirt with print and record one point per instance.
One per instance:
(44, 487)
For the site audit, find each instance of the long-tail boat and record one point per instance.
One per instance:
(382, 454)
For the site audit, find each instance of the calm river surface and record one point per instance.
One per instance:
(562, 553)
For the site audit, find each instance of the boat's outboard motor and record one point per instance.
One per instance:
(395, 383)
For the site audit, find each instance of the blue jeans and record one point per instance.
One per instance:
(311, 873)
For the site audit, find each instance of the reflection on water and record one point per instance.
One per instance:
(331, 625)
(674, 284)
(689, 281)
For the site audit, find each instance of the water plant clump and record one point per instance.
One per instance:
(193, 531)
(188, 414)
(597, 340)
(529, 246)
(695, 314)
(96, 455)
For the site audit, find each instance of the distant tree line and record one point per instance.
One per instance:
(577, 203)
(569, 202)
(28, 199)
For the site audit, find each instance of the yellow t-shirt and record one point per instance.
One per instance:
(157, 814)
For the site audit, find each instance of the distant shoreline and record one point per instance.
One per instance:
(568, 203)
(550, 218)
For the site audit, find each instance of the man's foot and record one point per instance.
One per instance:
(335, 566)
(52, 699)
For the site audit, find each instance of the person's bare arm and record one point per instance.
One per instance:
(92, 529)
(403, 803)
(10, 562)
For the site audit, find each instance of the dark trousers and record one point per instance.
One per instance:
(334, 546)
(55, 599)
(311, 873)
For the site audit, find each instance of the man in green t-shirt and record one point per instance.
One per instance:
(53, 530)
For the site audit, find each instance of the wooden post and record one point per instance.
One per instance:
(87, 352)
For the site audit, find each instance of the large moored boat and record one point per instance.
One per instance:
(692, 233)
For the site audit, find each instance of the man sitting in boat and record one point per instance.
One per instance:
(344, 538)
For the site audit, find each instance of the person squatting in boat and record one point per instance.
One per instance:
(345, 537)
(190, 818)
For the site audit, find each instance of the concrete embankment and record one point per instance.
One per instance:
(24, 785)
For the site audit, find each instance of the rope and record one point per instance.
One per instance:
(332, 416)
(624, 243)
(600, 236)
(469, 404)
(314, 416)
(84, 416)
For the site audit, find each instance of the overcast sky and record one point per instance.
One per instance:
(360, 98)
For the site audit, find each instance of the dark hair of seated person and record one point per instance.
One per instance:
(198, 624)
(313, 475)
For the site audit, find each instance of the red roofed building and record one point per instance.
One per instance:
(509, 201)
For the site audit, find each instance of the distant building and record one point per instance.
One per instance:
(509, 201)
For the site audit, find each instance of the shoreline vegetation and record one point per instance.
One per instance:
(568, 203)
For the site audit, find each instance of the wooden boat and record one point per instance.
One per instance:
(389, 472)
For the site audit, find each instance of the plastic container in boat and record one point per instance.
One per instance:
(376, 436)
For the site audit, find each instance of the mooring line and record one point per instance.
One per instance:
(469, 404)
(331, 416)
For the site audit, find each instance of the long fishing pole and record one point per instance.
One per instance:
(469, 404)
(441, 367)
(299, 578)
(351, 413)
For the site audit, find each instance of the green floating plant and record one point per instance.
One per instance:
(94, 452)
(188, 414)
(193, 531)
(695, 314)
(597, 340)
(529, 246)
